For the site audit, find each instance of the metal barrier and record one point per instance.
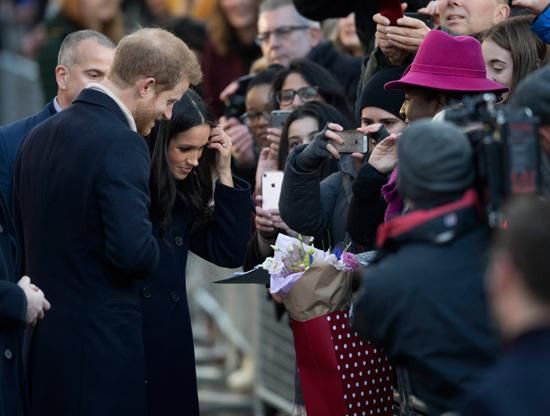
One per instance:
(275, 358)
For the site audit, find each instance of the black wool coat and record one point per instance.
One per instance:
(13, 310)
(82, 210)
(168, 338)
(424, 302)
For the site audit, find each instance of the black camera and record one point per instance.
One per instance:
(235, 103)
(506, 150)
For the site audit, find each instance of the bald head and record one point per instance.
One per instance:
(469, 17)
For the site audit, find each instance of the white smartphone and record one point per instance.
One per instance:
(271, 189)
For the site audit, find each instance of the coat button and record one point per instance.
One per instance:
(147, 292)
(174, 296)
(8, 354)
(178, 240)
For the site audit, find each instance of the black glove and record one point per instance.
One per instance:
(315, 153)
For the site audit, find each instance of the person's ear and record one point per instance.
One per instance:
(502, 12)
(146, 86)
(315, 36)
(62, 76)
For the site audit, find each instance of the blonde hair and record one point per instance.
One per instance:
(154, 53)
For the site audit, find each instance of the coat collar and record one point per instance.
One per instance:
(437, 225)
(97, 97)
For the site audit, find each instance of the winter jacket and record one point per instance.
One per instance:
(541, 25)
(314, 208)
(424, 302)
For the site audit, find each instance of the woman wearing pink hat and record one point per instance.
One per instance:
(444, 70)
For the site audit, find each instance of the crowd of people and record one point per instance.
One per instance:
(154, 142)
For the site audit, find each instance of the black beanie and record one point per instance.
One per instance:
(374, 94)
(534, 92)
(435, 162)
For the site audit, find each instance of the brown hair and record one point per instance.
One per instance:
(221, 33)
(113, 29)
(528, 51)
(526, 241)
(154, 53)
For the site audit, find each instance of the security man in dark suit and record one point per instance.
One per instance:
(82, 209)
(85, 56)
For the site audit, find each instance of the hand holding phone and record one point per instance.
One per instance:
(391, 9)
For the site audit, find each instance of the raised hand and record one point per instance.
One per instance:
(321, 147)
(220, 141)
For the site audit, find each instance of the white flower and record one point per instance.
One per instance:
(272, 265)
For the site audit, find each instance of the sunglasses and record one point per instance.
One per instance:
(306, 94)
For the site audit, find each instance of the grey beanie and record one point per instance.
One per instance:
(435, 162)
(534, 92)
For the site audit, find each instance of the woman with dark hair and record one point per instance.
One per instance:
(512, 51)
(189, 211)
(305, 81)
(320, 114)
(300, 128)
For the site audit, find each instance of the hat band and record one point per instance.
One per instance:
(448, 70)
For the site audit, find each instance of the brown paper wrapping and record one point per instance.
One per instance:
(322, 289)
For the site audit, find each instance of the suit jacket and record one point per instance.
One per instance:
(11, 137)
(13, 310)
(519, 383)
(82, 201)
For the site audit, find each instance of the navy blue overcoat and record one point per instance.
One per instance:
(171, 378)
(82, 211)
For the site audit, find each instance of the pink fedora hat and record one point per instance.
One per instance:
(448, 63)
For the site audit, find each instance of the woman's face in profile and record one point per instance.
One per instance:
(498, 64)
(302, 131)
(185, 149)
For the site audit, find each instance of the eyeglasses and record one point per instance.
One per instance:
(306, 94)
(253, 117)
(281, 32)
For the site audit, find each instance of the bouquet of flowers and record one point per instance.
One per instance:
(340, 374)
(311, 282)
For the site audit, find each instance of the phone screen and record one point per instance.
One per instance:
(271, 189)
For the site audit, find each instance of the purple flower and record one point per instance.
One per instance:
(350, 261)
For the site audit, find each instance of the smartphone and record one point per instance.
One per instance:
(390, 9)
(426, 18)
(271, 189)
(278, 118)
(354, 142)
